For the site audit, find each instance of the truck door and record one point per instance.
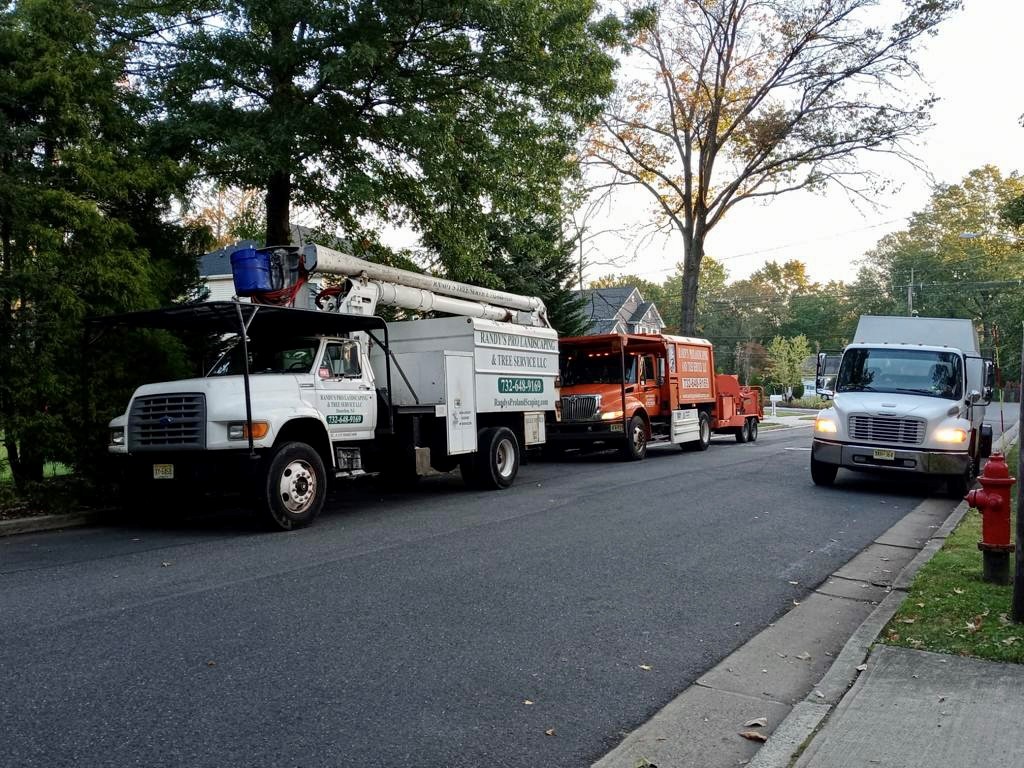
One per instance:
(345, 393)
(649, 389)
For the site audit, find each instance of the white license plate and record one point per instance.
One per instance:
(616, 427)
(163, 471)
(884, 454)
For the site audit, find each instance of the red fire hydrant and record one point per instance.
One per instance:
(993, 501)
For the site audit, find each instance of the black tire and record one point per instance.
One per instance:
(634, 447)
(752, 431)
(957, 486)
(822, 473)
(294, 488)
(985, 441)
(743, 433)
(495, 464)
(704, 431)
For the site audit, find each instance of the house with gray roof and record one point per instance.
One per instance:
(620, 309)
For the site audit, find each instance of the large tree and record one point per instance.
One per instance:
(737, 100)
(83, 229)
(436, 115)
(961, 257)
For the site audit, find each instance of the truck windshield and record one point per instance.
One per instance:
(916, 372)
(269, 355)
(579, 367)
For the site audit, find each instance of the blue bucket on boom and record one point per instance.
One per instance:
(250, 269)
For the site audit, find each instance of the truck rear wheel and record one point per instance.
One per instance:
(703, 440)
(822, 473)
(496, 462)
(752, 430)
(295, 487)
(743, 433)
(635, 446)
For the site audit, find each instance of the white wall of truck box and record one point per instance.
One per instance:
(515, 366)
(930, 331)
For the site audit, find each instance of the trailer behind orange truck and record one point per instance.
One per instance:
(628, 390)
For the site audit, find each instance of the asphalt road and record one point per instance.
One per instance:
(411, 629)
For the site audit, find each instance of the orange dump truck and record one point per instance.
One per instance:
(628, 390)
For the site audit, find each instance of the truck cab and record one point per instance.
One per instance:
(904, 407)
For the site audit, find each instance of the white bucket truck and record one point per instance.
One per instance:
(909, 396)
(304, 396)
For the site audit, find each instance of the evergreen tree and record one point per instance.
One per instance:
(82, 229)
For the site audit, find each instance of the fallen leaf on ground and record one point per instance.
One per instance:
(165, 563)
(907, 621)
(758, 722)
(645, 667)
(527, 702)
(958, 591)
(211, 663)
(794, 583)
(754, 736)
(920, 605)
(819, 694)
(862, 667)
(549, 732)
(1010, 640)
(804, 656)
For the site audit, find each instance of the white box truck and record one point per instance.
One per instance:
(909, 397)
(302, 397)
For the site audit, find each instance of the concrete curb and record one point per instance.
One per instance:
(47, 523)
(806, 718)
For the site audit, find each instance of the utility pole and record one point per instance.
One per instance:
(1018, 560)
(910, 295)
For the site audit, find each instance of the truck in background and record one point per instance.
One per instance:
(909, 397)
(626, 391)
(302, 396)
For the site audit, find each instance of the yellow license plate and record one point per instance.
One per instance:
(163, 471)
(884, 454)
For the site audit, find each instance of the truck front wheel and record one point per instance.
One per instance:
(295, 487)
(822, 473)
(635, 447)
(496, 462)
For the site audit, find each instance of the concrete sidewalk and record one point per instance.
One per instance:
(913, 709)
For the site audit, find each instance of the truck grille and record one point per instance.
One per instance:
(167, 422)
(887, 429)
(580, 407)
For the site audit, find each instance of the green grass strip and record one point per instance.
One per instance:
(949, 609)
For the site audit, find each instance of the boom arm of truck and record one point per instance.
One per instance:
(369, 285)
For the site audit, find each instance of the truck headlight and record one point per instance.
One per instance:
(611, 415)
(237, 430)
(117, 435)
(951, 435)
(822, 424)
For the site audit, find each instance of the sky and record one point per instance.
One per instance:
(972, 65)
